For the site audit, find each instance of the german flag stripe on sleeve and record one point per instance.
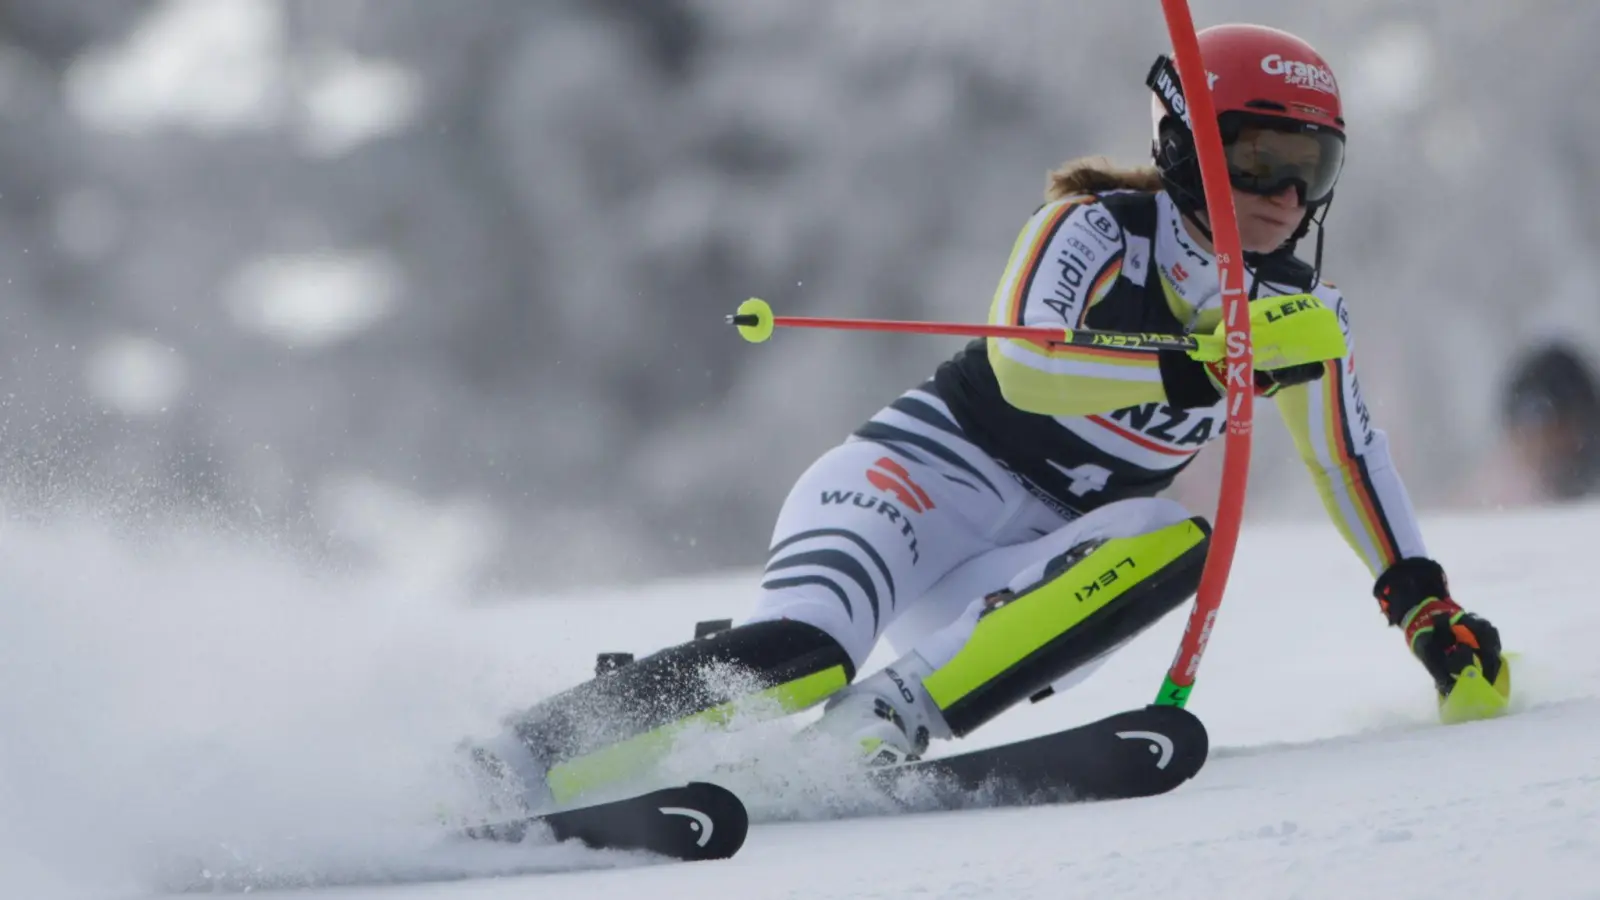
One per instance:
(1020, 279)
(1055, 379)
(1357, 481)
(1101, 287)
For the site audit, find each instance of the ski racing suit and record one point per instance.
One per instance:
(1000, 522)
(1013, 453)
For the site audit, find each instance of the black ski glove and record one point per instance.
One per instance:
(1415, 597)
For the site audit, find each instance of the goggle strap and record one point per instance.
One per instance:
(1163, 80)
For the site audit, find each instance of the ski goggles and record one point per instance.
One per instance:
(1266, 154)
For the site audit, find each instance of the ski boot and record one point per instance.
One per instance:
(888, 715)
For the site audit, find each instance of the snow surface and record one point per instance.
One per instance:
(193, 714)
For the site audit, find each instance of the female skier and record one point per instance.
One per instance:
(1002, 516)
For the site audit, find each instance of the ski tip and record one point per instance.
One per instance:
(723, 808)
(1181, 731)
(1131, 754)
(690, 823)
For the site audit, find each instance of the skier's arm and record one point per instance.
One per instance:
(1066, 260)
(1349, 459)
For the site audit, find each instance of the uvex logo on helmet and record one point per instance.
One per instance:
(1167, 87)
(1303, 74)
(1164, 82)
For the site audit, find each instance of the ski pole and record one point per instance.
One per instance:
(756, 323)
(1236, 317)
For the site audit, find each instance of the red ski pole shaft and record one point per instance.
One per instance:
(1027, 332)
(756, 323)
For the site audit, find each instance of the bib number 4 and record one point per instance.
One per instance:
(1086, 478)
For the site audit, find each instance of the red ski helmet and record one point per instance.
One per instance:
(1278, 109)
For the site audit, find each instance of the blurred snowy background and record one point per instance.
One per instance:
(374, 277)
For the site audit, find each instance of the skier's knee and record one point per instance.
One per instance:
(1080, 605)
(821, 603)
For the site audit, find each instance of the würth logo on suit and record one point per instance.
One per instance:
(891, 477)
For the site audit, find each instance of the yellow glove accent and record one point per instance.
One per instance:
(1291, 330)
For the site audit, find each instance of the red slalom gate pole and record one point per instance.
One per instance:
(1240, 382)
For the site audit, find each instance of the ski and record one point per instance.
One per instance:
(1138, 753)
(691, 822)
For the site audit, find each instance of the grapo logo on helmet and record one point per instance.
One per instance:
(1304, 74)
